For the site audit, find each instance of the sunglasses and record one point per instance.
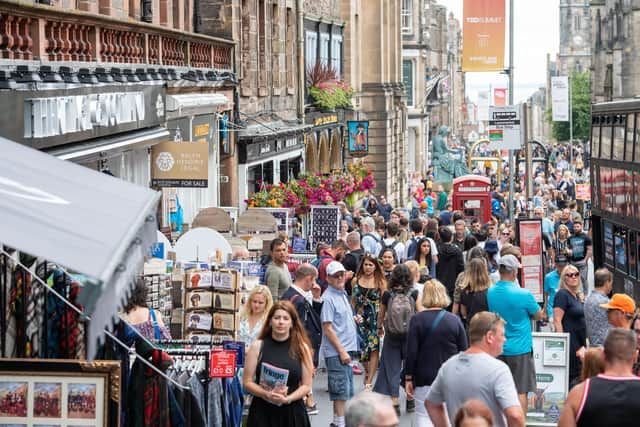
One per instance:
(576, 274)
(506, 234)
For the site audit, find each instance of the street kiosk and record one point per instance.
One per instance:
(472, 196)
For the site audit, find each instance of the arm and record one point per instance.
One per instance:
(545, 307)
(381, 313)
(589, 253)
(272, 281)
(568, 417)
(558, 314)
(248, 377)
(463, 310)
(515, 417)
(436, 413)
(328, 331)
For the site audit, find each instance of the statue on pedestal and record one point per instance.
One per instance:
(448, 163)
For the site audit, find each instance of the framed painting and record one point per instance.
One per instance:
(59, 393)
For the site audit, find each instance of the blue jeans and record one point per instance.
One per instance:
(340, 379)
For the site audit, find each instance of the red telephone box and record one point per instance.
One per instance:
(472, 196)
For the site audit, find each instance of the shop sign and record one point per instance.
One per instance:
(529, 235)
(258, 150)
(358, 138)
(222, 364)
(289, 143)
(180, 164)
(48, 118)
(551, 360)
(325, 120)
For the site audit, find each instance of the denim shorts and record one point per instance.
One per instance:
(340, 379)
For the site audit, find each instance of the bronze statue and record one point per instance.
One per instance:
(448, 163)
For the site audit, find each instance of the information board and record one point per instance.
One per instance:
(551, 360)
(608, 243)
(529, 237)
(325, 224)
(505, 132)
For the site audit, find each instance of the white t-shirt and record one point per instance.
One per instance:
(475, 376)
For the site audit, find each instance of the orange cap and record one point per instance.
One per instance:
(621, 302)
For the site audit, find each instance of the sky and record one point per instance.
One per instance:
(536, 32)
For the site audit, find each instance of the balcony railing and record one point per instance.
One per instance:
(35, 32)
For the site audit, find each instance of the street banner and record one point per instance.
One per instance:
(180, 164)
(560, 99)
(483, 106)
(500, 97)
(505, 132)
(483, 33)
(529, 237)
(551, 360)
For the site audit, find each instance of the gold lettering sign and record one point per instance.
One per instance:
(325, 120)
(180, 164)
(201, 130)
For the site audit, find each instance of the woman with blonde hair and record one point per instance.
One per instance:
(568, 316)
(475, 283)
(434, 336)
(368, 285)
(415, 272)
(562, 245)
(253, 314)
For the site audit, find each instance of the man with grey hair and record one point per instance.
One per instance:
(370, 238)
(370, 409)
(351, 260)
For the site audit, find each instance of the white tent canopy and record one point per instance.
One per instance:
(86, 221)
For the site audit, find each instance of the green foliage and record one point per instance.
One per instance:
(331, 95)
(581, 110)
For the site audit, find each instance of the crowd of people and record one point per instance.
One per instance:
(419, 297)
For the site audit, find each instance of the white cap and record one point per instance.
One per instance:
(334, 267)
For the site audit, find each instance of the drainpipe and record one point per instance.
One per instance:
(301, 70)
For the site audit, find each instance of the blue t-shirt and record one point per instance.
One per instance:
(516, 306)
(496, 208)
(551, 285)
(337, 310)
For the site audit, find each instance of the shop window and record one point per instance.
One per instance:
(607, 239)
(620, 242)
(618, 143)
(633, 254)
(628, 155)
(290, 169)
(605, 142)
(259, 175)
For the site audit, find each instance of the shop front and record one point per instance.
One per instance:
(106, 127)
(324, 142)
(269, 156)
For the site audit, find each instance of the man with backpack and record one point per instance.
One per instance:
(335, 253)
(392, 242)
(370, 239)
(450, 261)
(351, 260)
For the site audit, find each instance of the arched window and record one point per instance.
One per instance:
(336, 150)
(323, 153)
(311, 154)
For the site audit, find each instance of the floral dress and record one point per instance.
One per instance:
(367, 303)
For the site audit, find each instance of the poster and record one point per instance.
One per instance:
(483, 35)
(324, 224)
(608, 243)
(180, 164)
(358, 138)
(499, 97)
(583, 191)
(620, 241)
(560, 98)
(551, 360)
(529, 236)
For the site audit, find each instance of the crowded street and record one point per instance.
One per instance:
(319, 213)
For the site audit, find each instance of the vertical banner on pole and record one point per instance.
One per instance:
(560, 98)
(483, 31)
(499, 97)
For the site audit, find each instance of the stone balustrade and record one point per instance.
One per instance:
(35, 32)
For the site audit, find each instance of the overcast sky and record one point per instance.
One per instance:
(536, 30)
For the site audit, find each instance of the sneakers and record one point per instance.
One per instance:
(411, 406)
(312, 410)
(356, 370)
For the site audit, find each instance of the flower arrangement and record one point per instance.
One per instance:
(331, 95)
(310, 190)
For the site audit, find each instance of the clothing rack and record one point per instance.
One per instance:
(82, 313)
(214, 342)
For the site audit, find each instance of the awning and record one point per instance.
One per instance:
(216, 101)
(92, 149)
(86, 221)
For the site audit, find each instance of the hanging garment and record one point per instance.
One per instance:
(214, 403)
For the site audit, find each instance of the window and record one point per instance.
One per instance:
(290, 49)
(628, 155)
(324, 48)
(605, 143)
(407, 79)
(595, 141)
(618, 143)
(336, 54)
(577, 22)
(311, 48)
(407, 16)
(276, 43)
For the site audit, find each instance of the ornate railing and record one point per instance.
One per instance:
(34, 32)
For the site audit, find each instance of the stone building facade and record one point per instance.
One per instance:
(575, 36)
(615, 68)
(373, 65)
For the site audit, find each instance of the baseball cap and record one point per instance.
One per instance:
(334, 267)
(561, 259)
(621, 302)
(509, 262)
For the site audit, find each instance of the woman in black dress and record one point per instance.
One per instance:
(278, 371)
